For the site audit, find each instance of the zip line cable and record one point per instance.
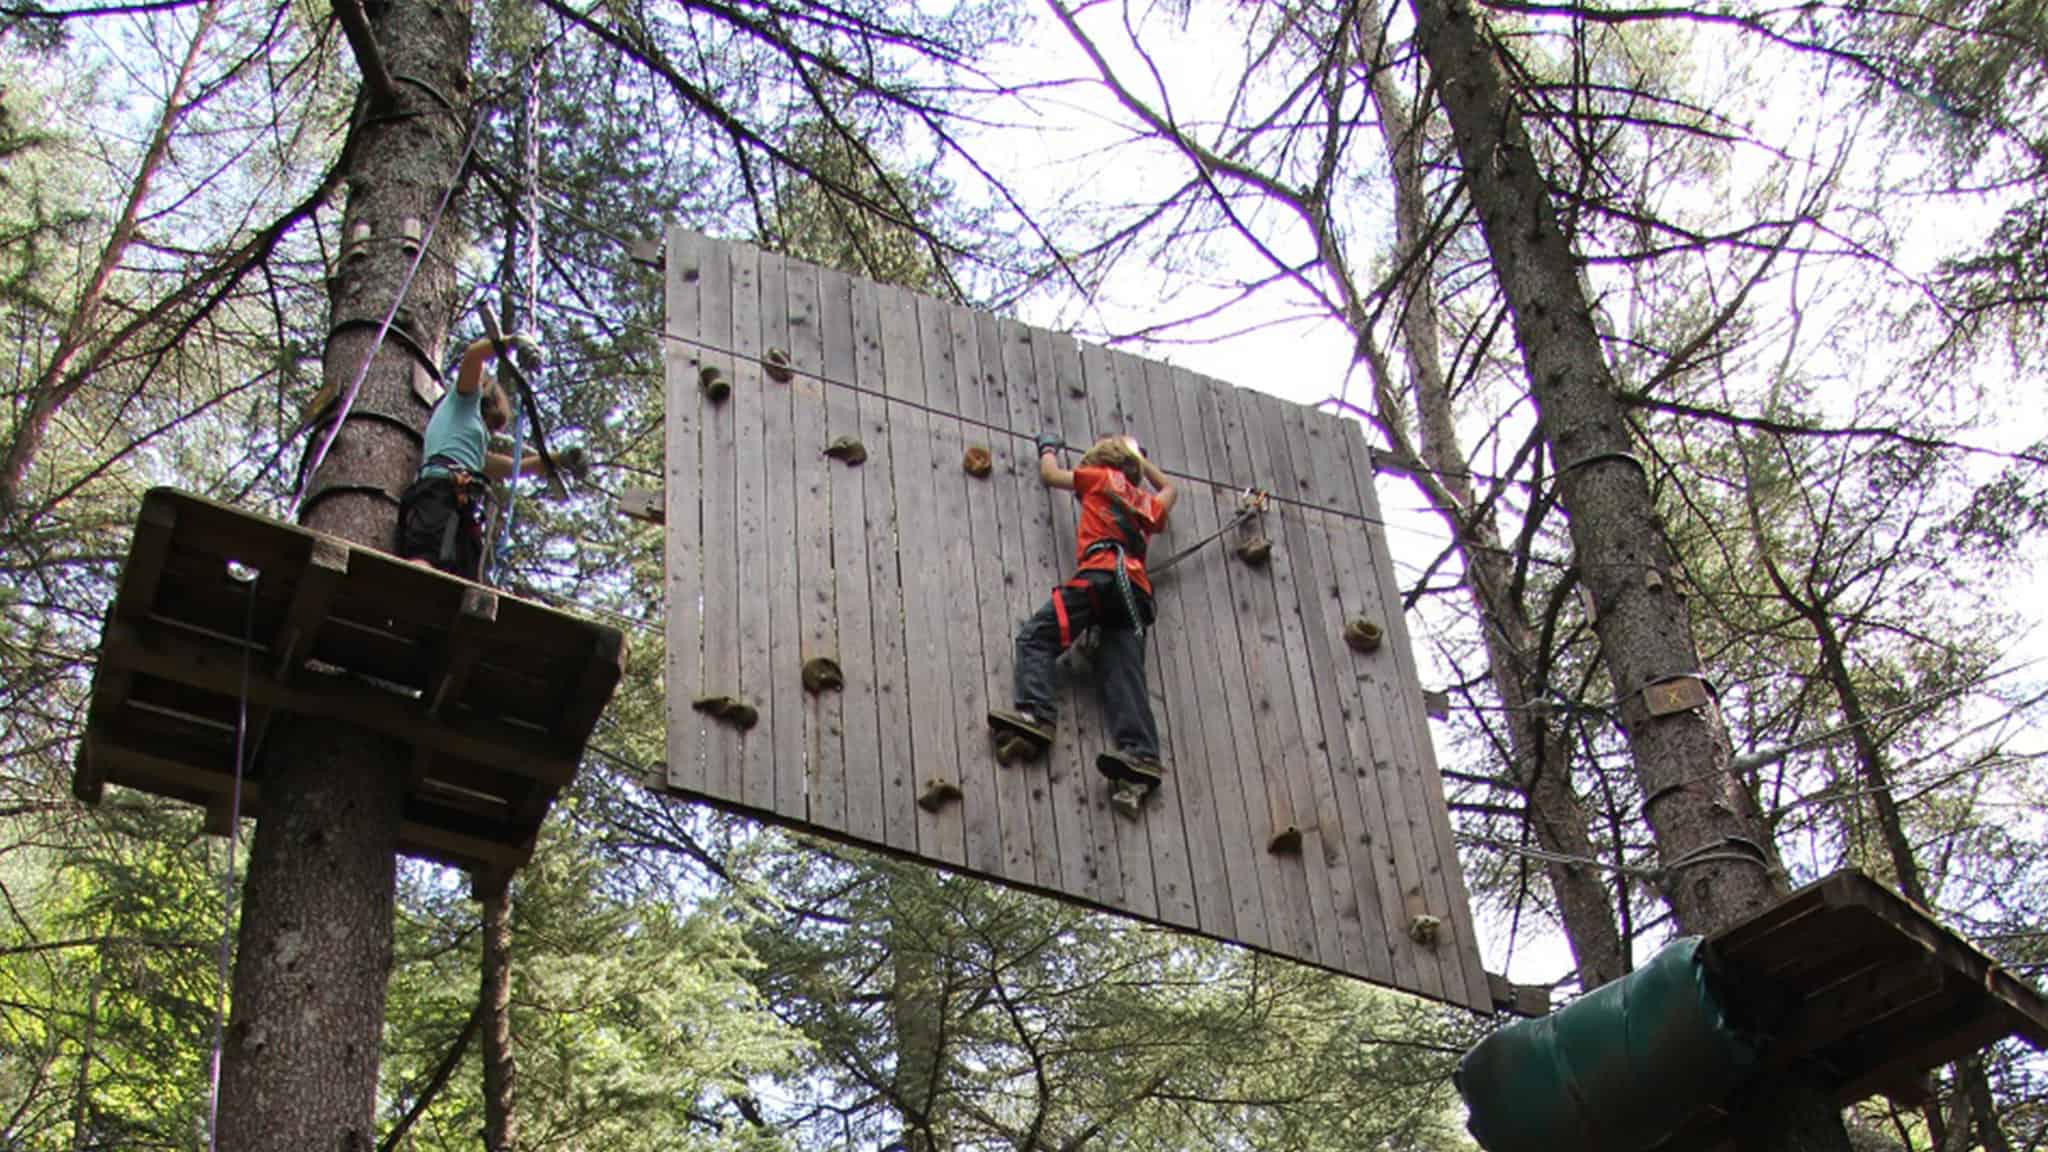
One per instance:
(931, 410)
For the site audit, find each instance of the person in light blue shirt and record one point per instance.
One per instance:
(442, 518)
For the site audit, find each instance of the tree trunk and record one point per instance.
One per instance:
(1710, 841)
(1542, 751)
(300, 1066)
(501, 1124)
(917, 1008)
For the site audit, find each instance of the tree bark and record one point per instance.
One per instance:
(300, 1066)
(1542, 752)
(1709, 837)
(501, 1122)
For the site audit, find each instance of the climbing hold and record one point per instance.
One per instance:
(1362, 634)
(1255, 550)
(1128, 799)
(821, 674)
(848, 449)
(1285, 842)
(1076, 389)
(937, 794)
(713, 382)
(977, 462)
(1423, 930)
(776, 365)
(732, 710)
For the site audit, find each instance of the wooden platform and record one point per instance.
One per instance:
(495, 696)
(1849, 975)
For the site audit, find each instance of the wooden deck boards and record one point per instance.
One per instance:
(495, 696)
(913, 576)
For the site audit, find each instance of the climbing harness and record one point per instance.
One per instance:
(466, 515)
(1124, 588)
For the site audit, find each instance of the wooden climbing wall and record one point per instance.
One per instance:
(913, 576)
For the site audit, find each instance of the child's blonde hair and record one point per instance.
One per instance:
(1118, 452)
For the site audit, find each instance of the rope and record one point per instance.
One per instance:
(528, 209)
(248, 578)
(1249, 508)
(355, 385)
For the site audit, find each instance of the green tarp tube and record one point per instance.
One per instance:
(1617, 1070)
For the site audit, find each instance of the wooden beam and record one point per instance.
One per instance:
(214, 665)
(326, 567)
(648, 504)
(478, 611)
(146, 555)
(1529, 1000)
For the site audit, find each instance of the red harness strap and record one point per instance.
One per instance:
(1059, 609)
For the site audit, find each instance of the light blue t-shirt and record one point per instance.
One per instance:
(456, 431)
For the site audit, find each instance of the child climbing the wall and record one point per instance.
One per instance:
(1108, 592)
(443, 517)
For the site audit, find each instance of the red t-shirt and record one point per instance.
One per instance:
(1113, 508)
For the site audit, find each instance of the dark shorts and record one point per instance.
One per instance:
(441, 520)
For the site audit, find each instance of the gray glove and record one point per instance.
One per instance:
(573, 463)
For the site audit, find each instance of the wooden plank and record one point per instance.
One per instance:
(596, 677)
(1166, 820)
(1382, 921)
(722, 540)
(781, 681)
(1182, 617)
(1303, 592)
(922, 538)
(823, 764)
(1117, 850)
(885, 582)
(215, 666)
(1446, 876)
(1040, 565)
(478, 611)
(1000, 590)
(1260, 907)
(170, 776)
(147, 551)
(1256, 618)
(860, 788)
(1111, 852)
(955, 605)
(681, 490)
(751, 775)
(313, 591)
(1884, 986)
(1270, 663)
(1399, 796)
